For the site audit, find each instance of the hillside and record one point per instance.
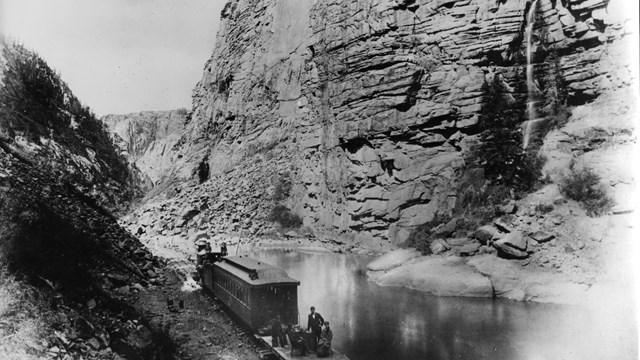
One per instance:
(44, 121)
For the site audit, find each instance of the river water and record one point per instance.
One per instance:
(372, 322)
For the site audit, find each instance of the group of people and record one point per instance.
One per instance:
(205, 253)
(318, 339)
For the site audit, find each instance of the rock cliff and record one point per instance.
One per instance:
(370, 107)
(147, 140)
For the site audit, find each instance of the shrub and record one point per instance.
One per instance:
(282, 215)
(583, 185)
(20, 307)
(283, 188)
(422, 236)
(203, 170)
(544, 208)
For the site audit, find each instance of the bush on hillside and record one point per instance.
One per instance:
(203, 170)
(283, 188)
(583, 185)
(283, 215)
(500, 153)
(35, 103)
(422, 236)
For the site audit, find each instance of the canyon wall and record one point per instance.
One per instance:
(147, 139)
(370, 107)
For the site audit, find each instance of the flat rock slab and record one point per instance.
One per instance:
(442, 276)
(541, 236)
(510, 280)
(393, 259)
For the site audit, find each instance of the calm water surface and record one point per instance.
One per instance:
(372, 322)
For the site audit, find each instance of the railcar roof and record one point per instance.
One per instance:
(240, 266)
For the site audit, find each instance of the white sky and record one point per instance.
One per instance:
(119, 56)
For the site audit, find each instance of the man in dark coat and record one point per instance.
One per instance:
(314, 323)
(278, 338)
(324, 346)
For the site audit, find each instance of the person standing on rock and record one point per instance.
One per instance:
(314, 323)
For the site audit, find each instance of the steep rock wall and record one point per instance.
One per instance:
(147, 139)
(370, 106)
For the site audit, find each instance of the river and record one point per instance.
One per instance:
(372, 322)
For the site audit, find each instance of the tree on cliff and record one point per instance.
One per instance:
(501, 155)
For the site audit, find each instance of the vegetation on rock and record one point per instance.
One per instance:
(423, 235)
(583, 185)
(283, 215)
(36, 105)
(500, 153)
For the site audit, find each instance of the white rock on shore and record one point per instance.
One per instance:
(442, 276)
(393, 259)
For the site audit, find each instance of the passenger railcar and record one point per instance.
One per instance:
(255, 291)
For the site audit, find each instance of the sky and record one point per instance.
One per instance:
(119, 56)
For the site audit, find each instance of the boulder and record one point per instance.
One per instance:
(484, 233)
(502, 225)
(118, 279)
(470, 249)
(438, 246)
(442, 276)
(94, 343)
(84, 329)
(458, 241)
(140, 338)
(509, 252)
(541, 236)
(509, 208)
(393, 259)
(515, 240)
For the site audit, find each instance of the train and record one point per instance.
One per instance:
(255, 291)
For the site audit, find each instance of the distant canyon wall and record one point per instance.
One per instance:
(148, 140)
(370, 106)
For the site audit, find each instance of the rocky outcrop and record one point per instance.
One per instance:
(147, 139)
(372, 105)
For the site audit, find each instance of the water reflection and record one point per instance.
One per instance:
(371, 322)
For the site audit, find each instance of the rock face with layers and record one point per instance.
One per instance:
(372, 105)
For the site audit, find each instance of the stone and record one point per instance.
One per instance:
(118, 279)
(515, 239)
(91, 304)
(140, 338)
(84, 329)
(470, 249)
(509, 208)
(393, 259)
(438, 246)
(442, 276)
(541, 236)
(484, 233)
(512, 245)
(94, 343)
(502, 225)
(458, 241)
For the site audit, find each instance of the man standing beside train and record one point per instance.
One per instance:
(314, 323)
